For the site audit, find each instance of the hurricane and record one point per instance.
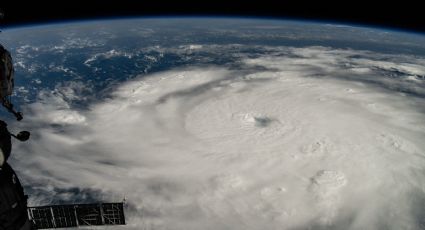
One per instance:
(280, 137)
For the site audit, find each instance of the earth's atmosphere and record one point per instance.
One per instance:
(206, 123)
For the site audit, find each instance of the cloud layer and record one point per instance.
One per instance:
(295, 139)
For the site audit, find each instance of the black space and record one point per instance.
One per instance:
(403, 15)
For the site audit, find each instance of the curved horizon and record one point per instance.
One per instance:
(335, 22)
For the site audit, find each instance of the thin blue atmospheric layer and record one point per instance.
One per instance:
(342, 23)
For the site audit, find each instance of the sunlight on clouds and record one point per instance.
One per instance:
(315, 139)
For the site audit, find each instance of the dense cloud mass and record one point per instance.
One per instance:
(305, 138)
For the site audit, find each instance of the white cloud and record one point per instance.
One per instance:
(106, 55)
(304, 143)
(191, 47)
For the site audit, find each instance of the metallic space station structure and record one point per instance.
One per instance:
(77, 215)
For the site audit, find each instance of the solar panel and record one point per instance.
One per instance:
(113, 213)
(41, 217)
(74, 215)
(64, 216)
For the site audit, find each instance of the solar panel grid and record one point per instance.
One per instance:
(113, 213)
(64, 216)
(60, 216)
(89, 214)
(42, 217)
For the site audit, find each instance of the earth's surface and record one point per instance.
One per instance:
(206, 123)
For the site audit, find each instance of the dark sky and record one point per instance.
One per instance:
(398, 15)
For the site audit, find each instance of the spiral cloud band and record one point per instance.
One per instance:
(301, 138)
